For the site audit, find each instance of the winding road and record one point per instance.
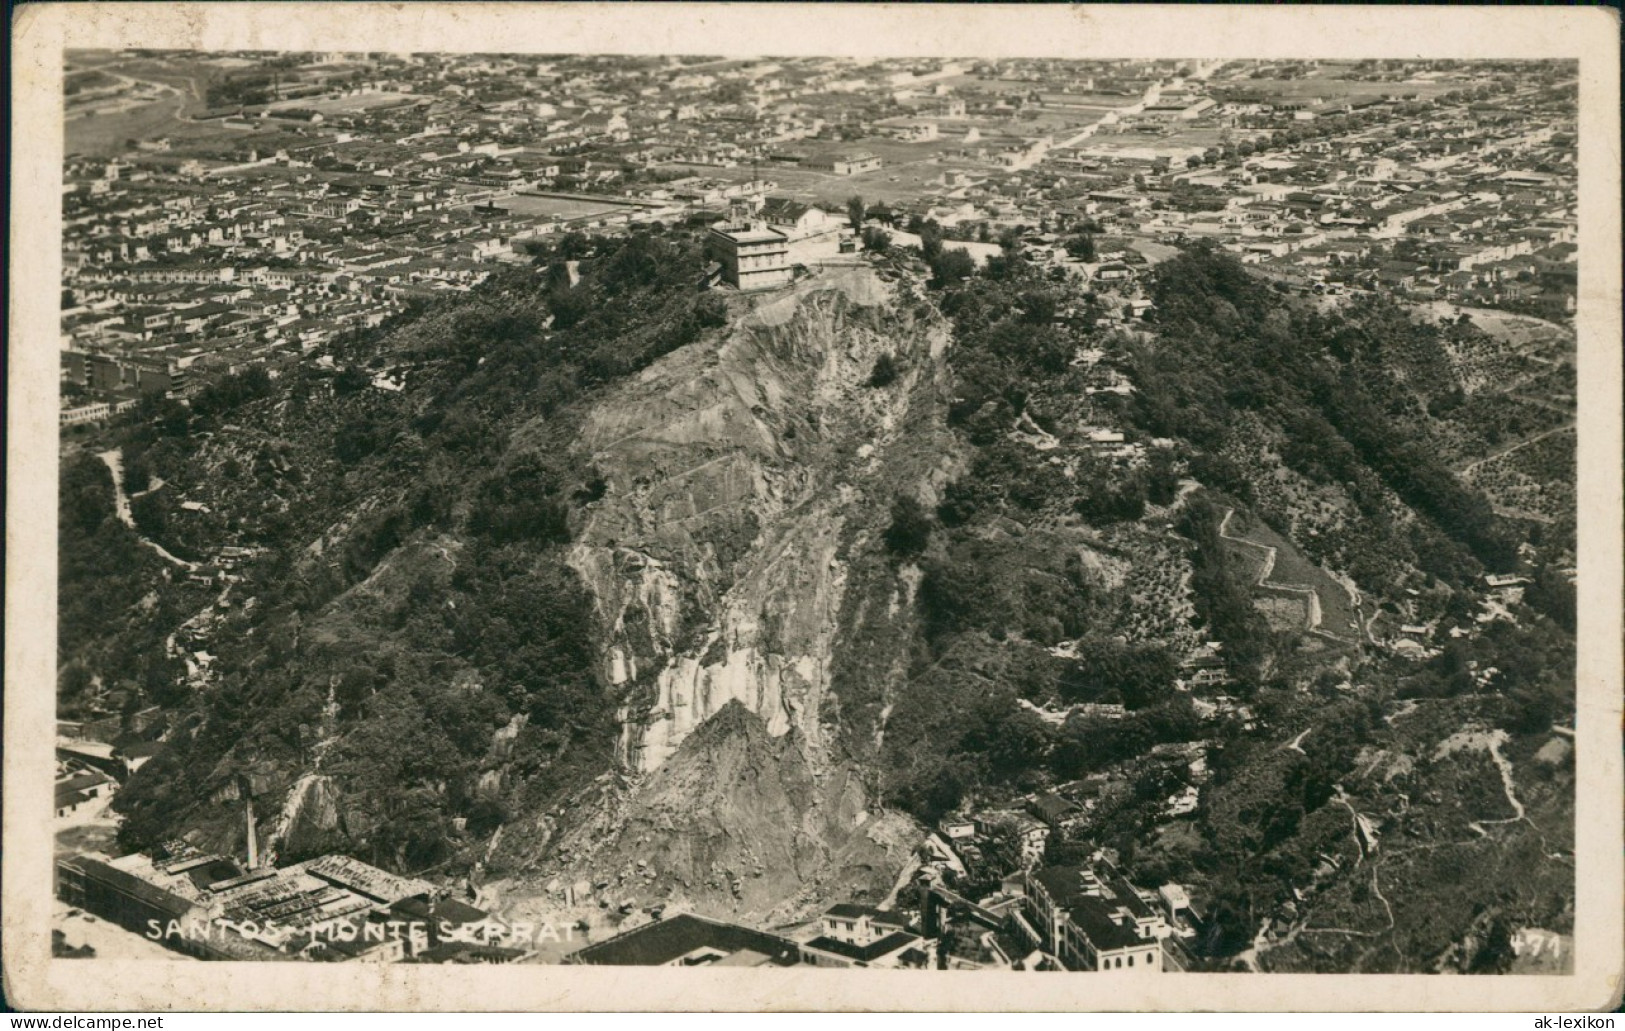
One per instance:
(114, 460)
(1311, 597)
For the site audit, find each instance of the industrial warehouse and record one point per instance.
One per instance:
(333, 908)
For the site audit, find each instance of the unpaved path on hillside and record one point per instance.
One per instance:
(1468, 469)
(114, 460)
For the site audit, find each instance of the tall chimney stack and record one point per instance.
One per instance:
(253, 843)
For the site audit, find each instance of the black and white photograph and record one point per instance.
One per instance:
(1083, 516)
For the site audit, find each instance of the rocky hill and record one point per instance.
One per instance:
(737, 479)
(741, 479)
(595, 590)
(738, 821)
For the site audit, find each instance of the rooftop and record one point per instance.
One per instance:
(667, 941)
(855, 911)
(894, 942)
(1093, 917)
(129, 884)
(750, 234)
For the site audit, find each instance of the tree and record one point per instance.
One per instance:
(573, 245)
(1496, 950)
(1531, 709)
(855, 212)
(351, 380)
(711, 311)
(75, 680)
(885, 371)
(952, 266)
(1082, 247)
(485, 816)
(1142, 676)
(876, 240)
(1553, 594)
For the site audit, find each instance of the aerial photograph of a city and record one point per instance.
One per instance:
(1092, 516)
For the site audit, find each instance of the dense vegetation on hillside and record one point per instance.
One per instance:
(435, 608)
(999, 585)
(109, 637)
(1027, 575)
(1336, 384)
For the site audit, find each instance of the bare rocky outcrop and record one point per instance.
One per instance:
(309, 822)
(741, 475)
(716, 557)
(739, 822)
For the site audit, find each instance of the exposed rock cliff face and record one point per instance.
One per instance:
(742, 476)
(716, 557)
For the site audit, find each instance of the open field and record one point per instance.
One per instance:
(104, 135)
(99, 836)
(192, 78)
(93, 828)
(1031, 122)
(1293, 569)
(1509, 326)
(1101, 101)
(1182, 141)
(1250, 557)
(897, 152)
(89, 79)
(75, 59)
(963, 83)
(877, 185)
(1061, 122)
(1143, 148)
(1151, 250)
(970, 83)
(113, 102)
